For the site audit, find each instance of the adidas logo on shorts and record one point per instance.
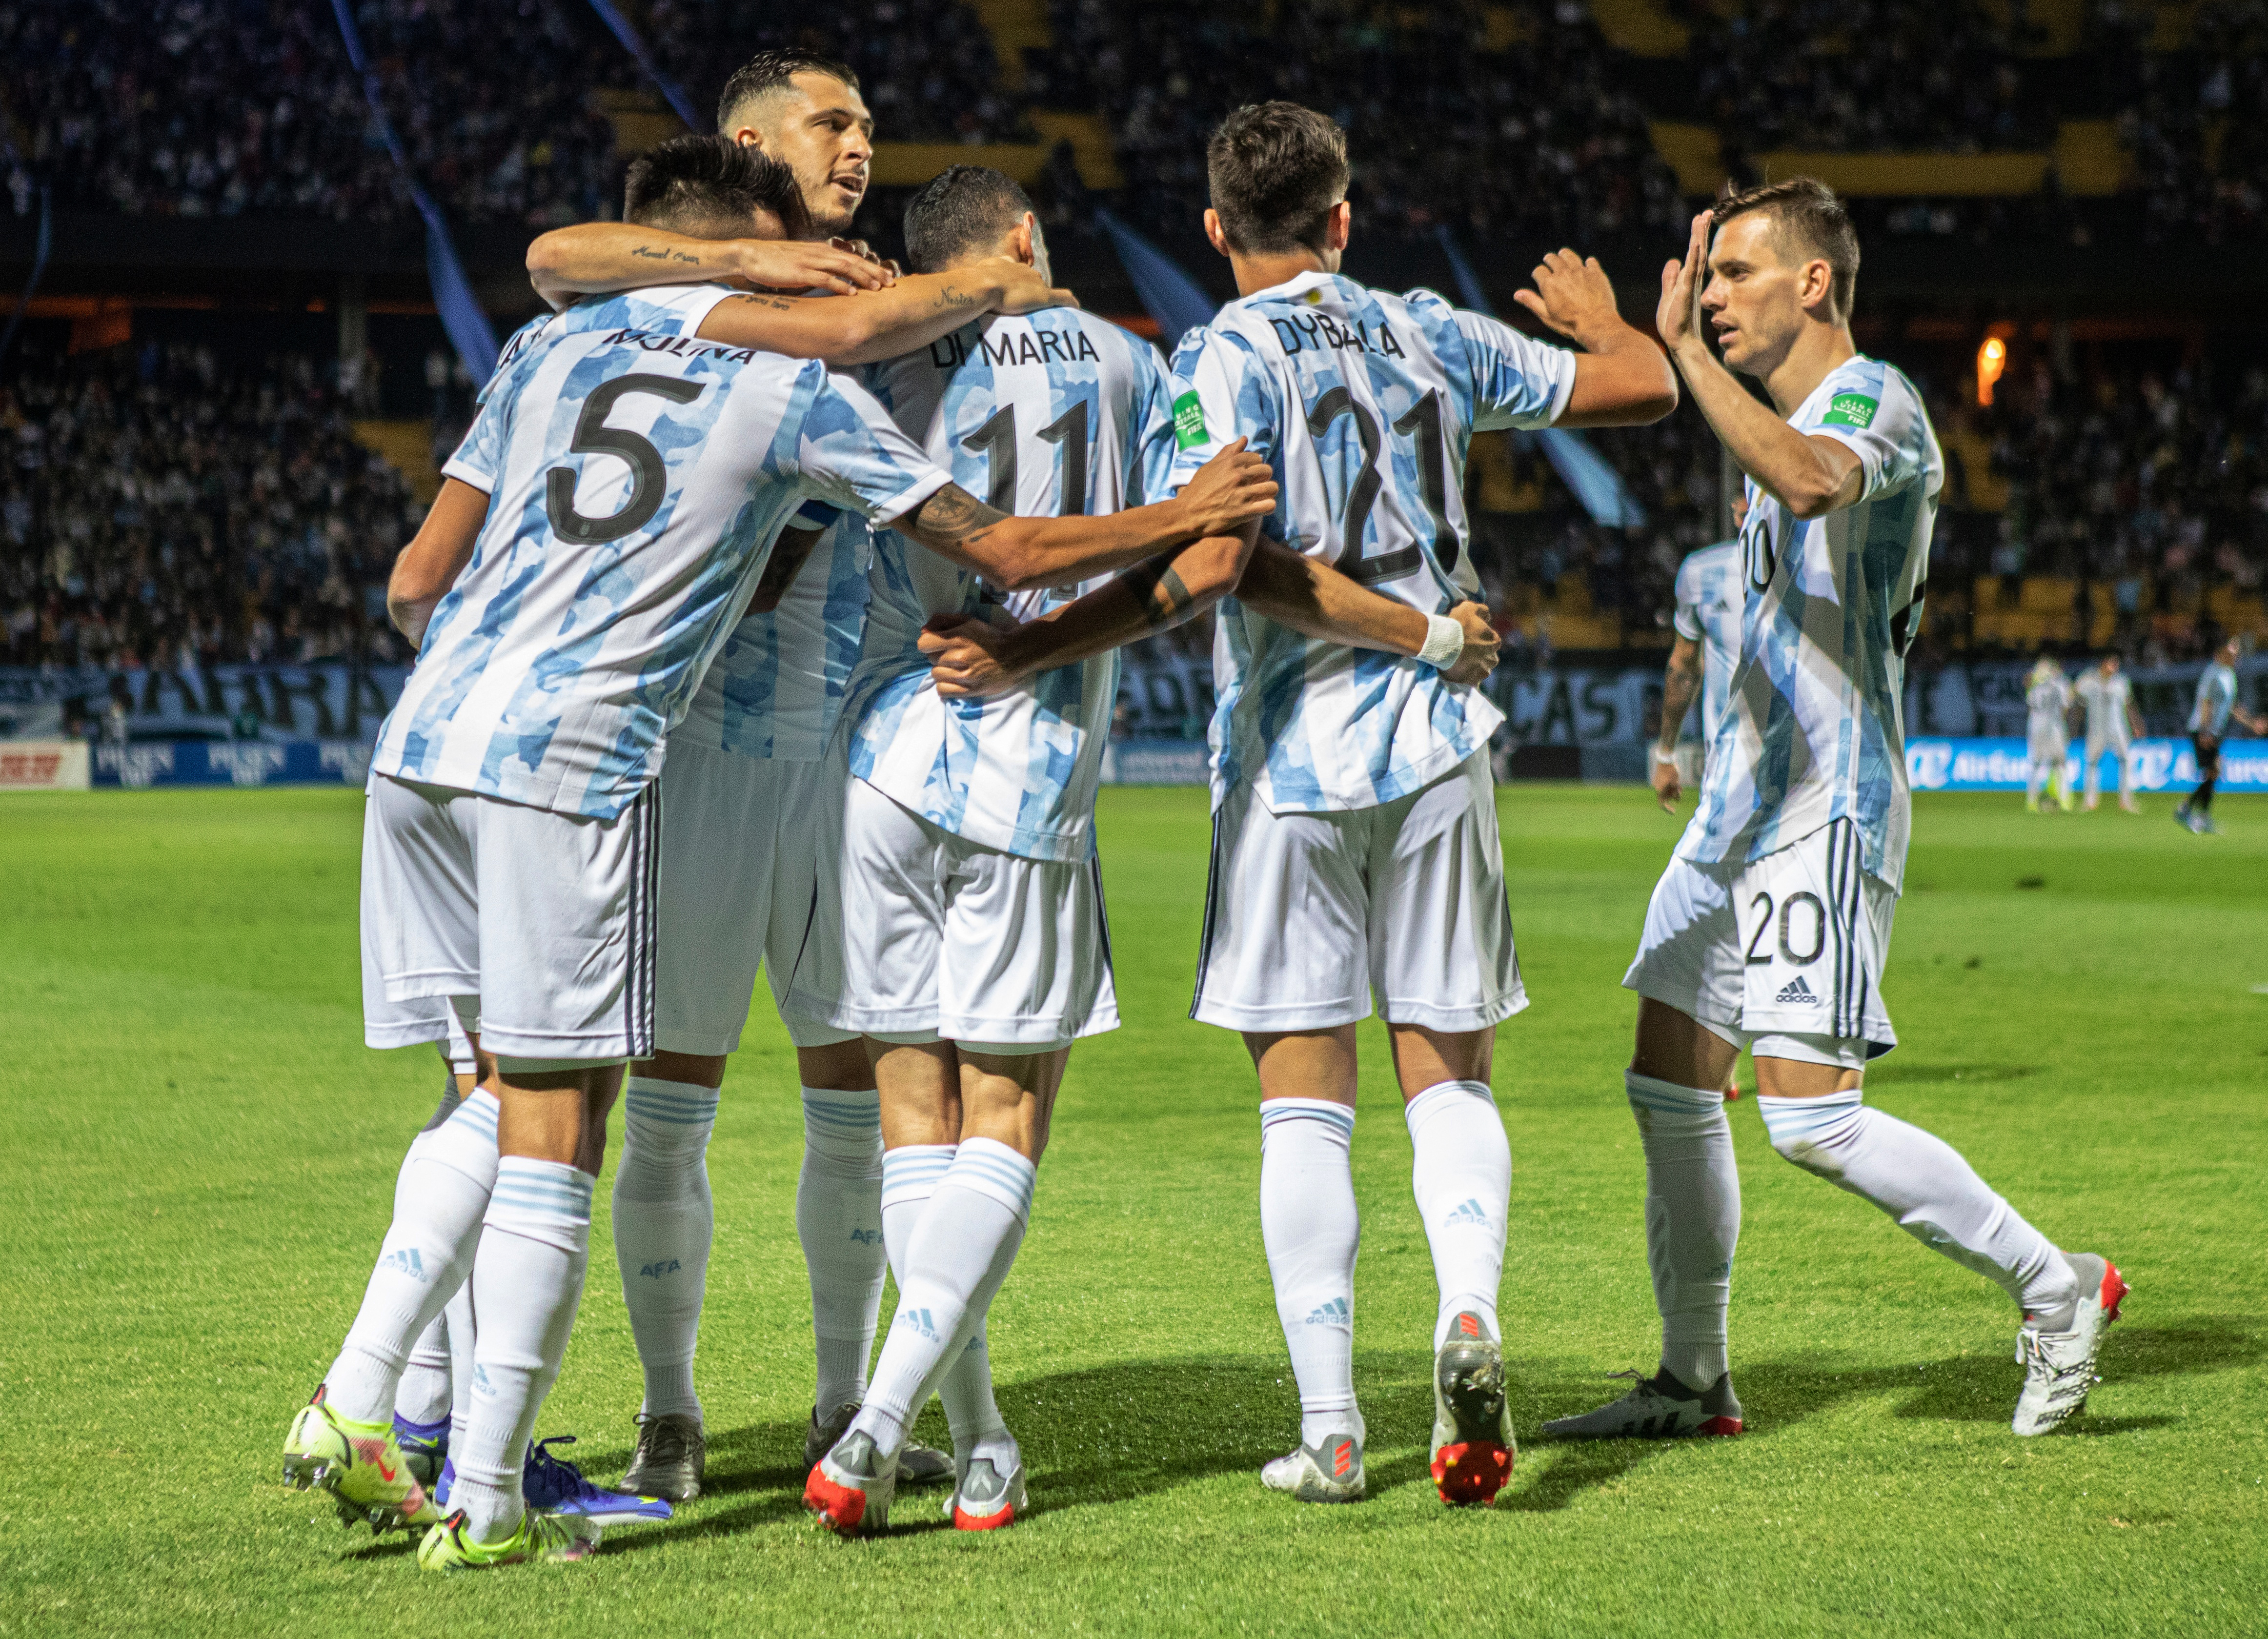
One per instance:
(1795, 990)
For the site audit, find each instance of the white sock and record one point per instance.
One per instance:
(2033, 780)
(1460, 1174)
(439, 1200)
(1310, 1227)
(1922, 1182)
(422, 1397)
(664, 1221)
(464, 1337)
(526, 1283)
(960, 1252)
(1692, 1221)
(838, 1218)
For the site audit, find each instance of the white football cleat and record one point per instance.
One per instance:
(1658, 1408)
(2059, 1366)
(1331, 1473)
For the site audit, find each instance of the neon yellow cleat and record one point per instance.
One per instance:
(360, 1466)
(449, 1546)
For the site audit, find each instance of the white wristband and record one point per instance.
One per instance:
(1445, 641)
(1667, 758)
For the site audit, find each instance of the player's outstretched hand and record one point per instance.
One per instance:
(860, 248)
(1572, 295)
(1668, 788)
(1482, 646)
(791, 265)
(964, 654)
(1677, 320)
(1023, 290)
(1233, 488)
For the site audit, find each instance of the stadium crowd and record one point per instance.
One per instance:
(157, 508)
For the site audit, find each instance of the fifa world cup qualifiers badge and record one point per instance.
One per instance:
(1189, 422)
(1851, 409)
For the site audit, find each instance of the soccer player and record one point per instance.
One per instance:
(2112, 725)
(1771, 926)
(2209, 719)
(975, 941)
(1356, 850)
(1707, 622)
(598, 535)
(2047, 703)
(740, 871)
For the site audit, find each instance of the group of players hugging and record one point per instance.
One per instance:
(779, 631)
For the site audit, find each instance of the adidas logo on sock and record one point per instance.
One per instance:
(919, 1319)
(1335, 1312)
(1469, 1212)
(1797, 991)
(405, 1262)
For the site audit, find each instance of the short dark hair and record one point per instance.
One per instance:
(1276, 170)
(776, 70)
(1807, 221)
(708, 187)
(964, 207)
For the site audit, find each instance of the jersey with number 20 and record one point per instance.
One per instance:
(1364, 403)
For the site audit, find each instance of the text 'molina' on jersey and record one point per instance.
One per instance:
(638, 477)
(1364, 404)
(1815, 731)
(1057, 413)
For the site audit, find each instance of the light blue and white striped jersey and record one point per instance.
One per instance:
(1058, 414)
(2216, 699)
(1364, 403)
(638, 477)
(777, 687)
(1709, 608)
(1815, 731)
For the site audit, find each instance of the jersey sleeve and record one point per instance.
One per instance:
(1687, 590)
(1518, 381)
(482, 453)
(1221, 394)
(1872, 412)
(1151, 477)
(851, 455)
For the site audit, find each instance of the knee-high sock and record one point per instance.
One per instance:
(526, 1283)
(422, 1397)
(664, 1221)
(437, 1203)
(464, 1337)
(2201, 799)
(910, 1175)
(2035, 778)
(1460, 1174)
(838, 1218)
(960, 1252)
(1312, 1230)
(1692, 1221)
(1935, 1195)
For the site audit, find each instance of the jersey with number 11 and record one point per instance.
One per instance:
(1364, 403)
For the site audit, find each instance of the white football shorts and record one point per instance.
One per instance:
(944, 936)
(543, 923)
(1783, 955)
(741, 854)
(1308, 916)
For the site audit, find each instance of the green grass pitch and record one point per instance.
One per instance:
(200, 1159)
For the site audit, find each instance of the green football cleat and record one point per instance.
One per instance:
(560, 1538)
(360, 1464)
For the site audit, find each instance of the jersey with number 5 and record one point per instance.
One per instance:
(1364, 403)
(1057, 415)
(1816, 728)
(636, 477)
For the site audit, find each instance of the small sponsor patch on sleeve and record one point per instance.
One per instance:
(1850, 409)
(1189, 429)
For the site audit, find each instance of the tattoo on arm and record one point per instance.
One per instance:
(1166, 601)
(665, 253)
(954, 514)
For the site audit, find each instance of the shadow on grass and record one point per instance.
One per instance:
(1111, 1434)
(1967, 1388)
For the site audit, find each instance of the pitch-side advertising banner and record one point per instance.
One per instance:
(43, 765)
(2002, 765)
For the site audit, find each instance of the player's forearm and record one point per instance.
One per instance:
(1679, 684)
(1023, 553)
(1152, 597)
(1316, 601)
(595, 258)
(436, 555)
(1810, 482)
(857, 329)
(1622, 379)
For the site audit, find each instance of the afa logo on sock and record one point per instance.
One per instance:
(655, 1271)
(866, 1236)
(405, 1260)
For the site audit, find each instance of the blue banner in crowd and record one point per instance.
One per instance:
(2003, 765)
(139, 764)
